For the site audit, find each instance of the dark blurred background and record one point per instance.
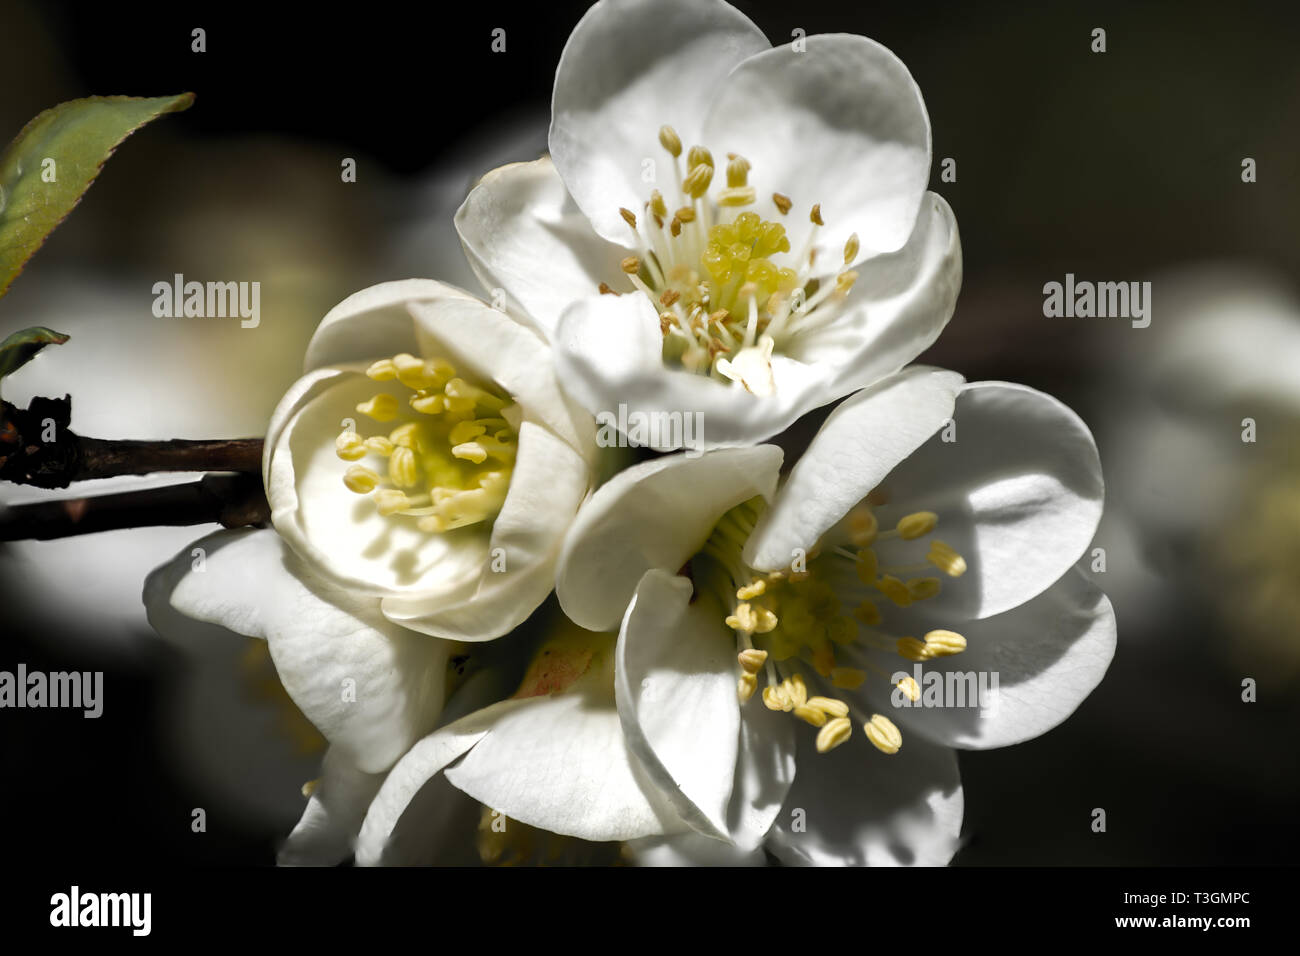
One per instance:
(1122, 166)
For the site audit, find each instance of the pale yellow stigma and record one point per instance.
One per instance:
(882, 733)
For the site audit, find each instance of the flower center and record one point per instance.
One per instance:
(811, 626)
(727, 288)
(448, 463)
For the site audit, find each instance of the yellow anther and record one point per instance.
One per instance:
(910, 689)
(829, 706)
(310, 786)
(433, 404)
(745, 687)
(458, 388)
(414, 373)
(628, 216)
(833, 734)
(868, 613)
(782, 203)
(675, 227)
(739, 196)
(657, 204)
(923, 589)
(946, 559)
(810, 715)
(631, 265)
(350, 447)
(917, 524)
(797, 690)
(685, 214)
(379, 445)
(913, 650)
(382, 407)
(402, 469)
(895, 590)
(851, 249)
(738, 172)
(670, 141)
(752, 660)
(816, 215)
(775, 698)
(696, 183)
(470, 451)
(360, 479)
(863, 527)
(867, 566)
(752, 619)
(751, 591)
(465, 431)
(944, 643)
(390, 501)
(382, 371)
(405, 436)
(844, 282)
(883, 735)
(848, 678)
(698, 156)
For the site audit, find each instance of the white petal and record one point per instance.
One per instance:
(896, 309)
(496, 347)
(523, 234)
(328, 829)
(765, 769)
(561, 764)
(610, 354)
(416, 768)
(373, 323)
(629, 67)
(1048, 654)
(550, 481)
(1018, 494)
(856, 447)
(840, 123)
(653, 515)
(371, 687)
(676, 688)
(856, 806)
(341, 533)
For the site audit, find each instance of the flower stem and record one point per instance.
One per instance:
(230, 500)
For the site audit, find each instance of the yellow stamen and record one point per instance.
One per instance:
(883, 735)
(350, 447)
(943, 557)
(848, 678)
(752, 660)
(360, 479)
(382, 407)
(670, 141)
(916, 525)
(833, 734)
(910, 689)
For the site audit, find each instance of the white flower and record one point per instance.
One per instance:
(1016, 498)
(762, 213)
(462, 460)
(552, 756)
(370, 687)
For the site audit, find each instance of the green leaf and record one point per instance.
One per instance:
(21, 347)
(78, 137)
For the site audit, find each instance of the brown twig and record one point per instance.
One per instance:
(107, 458)
(230, 500)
